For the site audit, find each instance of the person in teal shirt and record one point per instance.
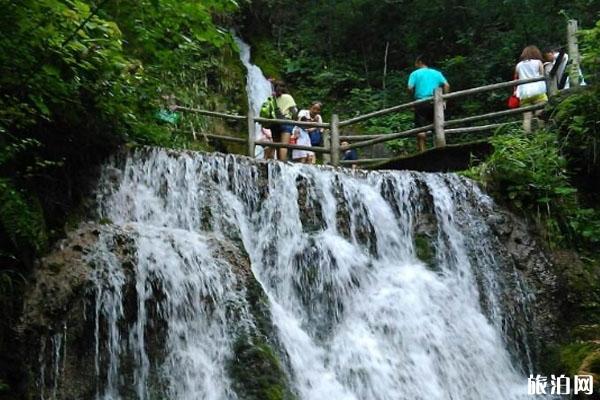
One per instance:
(422, 84)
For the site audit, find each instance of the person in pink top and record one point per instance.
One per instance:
(531, 66)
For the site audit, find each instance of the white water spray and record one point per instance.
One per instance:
(358, 315)
(258, 87)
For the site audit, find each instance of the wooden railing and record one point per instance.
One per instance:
(332, 138)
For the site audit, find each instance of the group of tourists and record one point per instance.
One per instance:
(536, 64)
(422, 84)
(281, 105)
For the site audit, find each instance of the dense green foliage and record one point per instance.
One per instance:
(79, 77)
(530, 174)
(577, 122)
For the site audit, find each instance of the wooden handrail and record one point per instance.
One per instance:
(496, 114)
(488, 88)
(292, 122)
(316, 149)
(480, 127)
(211, 113)
(226, 138)
(387, 137)
(359, 138)
(391, 136)
(355, 138)
(382, 112)
(220, 137)
(451, 95)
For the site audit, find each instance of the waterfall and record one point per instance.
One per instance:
(360, 311)
(258, 87)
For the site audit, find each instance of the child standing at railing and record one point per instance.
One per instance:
(302, 139)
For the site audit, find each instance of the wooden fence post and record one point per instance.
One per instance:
(551, 84)
(251, 134)
(335, 140)
(573, 52)
(438, 118)
(327, 145)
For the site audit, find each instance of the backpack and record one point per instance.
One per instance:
(269, 109)
(316, 137)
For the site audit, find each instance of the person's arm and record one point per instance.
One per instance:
(443, 82)
(411, 84)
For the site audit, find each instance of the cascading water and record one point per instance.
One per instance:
(357, 314)
(258, 87)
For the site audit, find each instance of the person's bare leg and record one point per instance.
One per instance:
(421, 137)
(527, 117)
(285, 138)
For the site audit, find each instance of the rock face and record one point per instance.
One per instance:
(539, 276)
(63, 334)
(61, 301)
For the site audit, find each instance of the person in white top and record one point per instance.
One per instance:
(302, 139)
(313, 114)
(531, 66)
(551, 55)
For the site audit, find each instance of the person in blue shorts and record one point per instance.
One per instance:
(422, 84)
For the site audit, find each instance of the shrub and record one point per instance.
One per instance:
(578, 126)
(529, 173)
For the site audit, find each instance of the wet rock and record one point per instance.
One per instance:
(60, 322)
(311, 213)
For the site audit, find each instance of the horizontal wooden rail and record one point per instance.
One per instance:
(388, 137)
(292, 122)
(382, 112)
(480, 128)
(222, 137)
(391, 136)
(488, 88)
(198, 135)
(451, 95)
(356, 138)
(211, 113)
(316, 149)
(496, 114)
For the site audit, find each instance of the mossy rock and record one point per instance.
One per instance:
(259, 307)
(573, 356)
(425, 249)
(257, 372)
